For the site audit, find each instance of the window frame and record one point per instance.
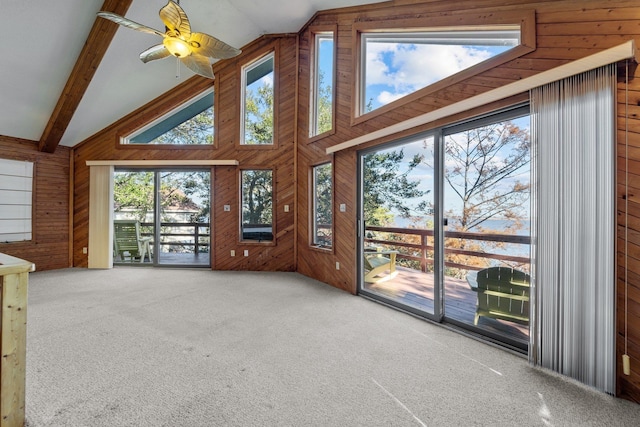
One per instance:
(312, 208)
(318, 33)
(270, 54)
(242, 240)
(459, 21)
(123, 139)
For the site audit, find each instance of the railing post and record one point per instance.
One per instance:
(14, 279)
(424, 240)
(197, 237)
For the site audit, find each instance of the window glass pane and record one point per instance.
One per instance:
(257, 205)
(322, 85)
(16, 184)
(257, 105)
(322, 205)
(190, 124)
(397, 64)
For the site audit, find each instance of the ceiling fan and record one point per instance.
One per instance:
(193, 49)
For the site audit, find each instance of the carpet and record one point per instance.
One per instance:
(185, 347)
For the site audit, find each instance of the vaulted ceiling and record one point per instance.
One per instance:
(56, 86)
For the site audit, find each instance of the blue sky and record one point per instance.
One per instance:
(424, 173)
(394, 70)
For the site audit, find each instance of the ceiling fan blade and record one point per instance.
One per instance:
(121, 20)
(154, 52)
(175, 19)
(204, 44)
(198, 64)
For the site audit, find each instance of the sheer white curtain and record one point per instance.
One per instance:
(573, 156)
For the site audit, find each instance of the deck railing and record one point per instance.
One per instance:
(191, 238)
(417, 245)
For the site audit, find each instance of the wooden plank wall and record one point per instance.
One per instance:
(49, 248)
(104, 146)
(566, 30)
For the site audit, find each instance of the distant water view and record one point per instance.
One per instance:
(494, 226)
(497, 226)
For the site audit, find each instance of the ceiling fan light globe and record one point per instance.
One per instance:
(177, 47)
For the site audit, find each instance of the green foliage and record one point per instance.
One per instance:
(134, 191)
(181, 188)
(257, 196)
(324, 119)
(258, 116)
(388, 188)
(324, 194)
(197, 130)
(323, 204)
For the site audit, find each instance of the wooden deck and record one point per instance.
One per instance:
(415, 289)
(172, 258)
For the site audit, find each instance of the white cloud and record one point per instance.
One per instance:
(267, 80)
(409, 67)
(386, 97)
(376, 69)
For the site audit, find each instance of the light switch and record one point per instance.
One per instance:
(343, 207)
(286, 208)
(246, 252)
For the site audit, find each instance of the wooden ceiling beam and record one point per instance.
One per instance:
(87, 63)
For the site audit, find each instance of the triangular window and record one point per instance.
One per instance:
(189, 124)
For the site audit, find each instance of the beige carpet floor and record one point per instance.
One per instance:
(167, 347)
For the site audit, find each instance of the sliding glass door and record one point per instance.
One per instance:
(184, 205)
(486, 203)
(445, 225)
(398, 256)
(161, 217)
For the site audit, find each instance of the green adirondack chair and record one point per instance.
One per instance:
(503, 293)
(127, 241)
(379, 266)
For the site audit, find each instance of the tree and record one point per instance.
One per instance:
(323, 204)
(482, 170)
(134, 192)
(197, 130)
(258, 119)
(325, 105)
(257, 197)
(387, 188)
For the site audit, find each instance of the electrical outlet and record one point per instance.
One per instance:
(233, 253)
(286, 208)
(227, 208)
(84, 250)
(246, 252)
(343, 207)
(337, 265)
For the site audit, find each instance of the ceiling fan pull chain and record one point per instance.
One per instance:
(177, 68)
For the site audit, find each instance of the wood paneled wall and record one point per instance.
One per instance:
(49, 248)
(280, 158)
(566, 30)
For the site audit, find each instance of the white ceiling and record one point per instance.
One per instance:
(42, 41)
